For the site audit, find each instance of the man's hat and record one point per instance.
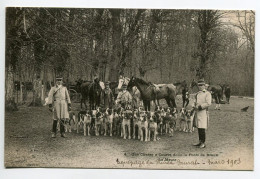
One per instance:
(59, 78)
(107, 83)
(201, 82)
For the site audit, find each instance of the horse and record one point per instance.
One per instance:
(150, 92)
(216, 92)
(181, 87)
(95, 89)
(227, 92)
(84, 91)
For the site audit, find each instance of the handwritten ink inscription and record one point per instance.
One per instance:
(173, 159)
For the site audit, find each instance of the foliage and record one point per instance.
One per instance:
(158, 45)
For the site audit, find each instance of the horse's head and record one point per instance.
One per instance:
(102, 85)
(180, 86)
(131, 83)
(97, 89)
(193, 83)
(78, 84)
(123, 81)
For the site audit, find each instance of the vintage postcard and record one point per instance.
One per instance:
(129, 88)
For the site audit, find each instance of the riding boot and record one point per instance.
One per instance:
(54, 128)
(62, 128)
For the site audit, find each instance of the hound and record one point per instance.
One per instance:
(136, 117)
(108, 121)
(189, 118)
(127, 115)
(143, 126)
(182, 120)
(152, 126)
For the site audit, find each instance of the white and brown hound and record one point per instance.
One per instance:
(108, 121)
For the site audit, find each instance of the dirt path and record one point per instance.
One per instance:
(230, 137)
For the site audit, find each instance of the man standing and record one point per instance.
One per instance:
(59, 103)
(202, 102)
(124, 97)
(107, 97)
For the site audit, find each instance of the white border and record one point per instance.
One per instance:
(113, 173)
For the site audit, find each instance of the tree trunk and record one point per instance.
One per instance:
(37, 93)
(116, 45)
(10, 104)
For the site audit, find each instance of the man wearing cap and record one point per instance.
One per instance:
(202, 102)
(59, 103)
(107, 96)
(124, 97)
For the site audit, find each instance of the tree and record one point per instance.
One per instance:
(208, 22)
(14, 36)
(246, 23)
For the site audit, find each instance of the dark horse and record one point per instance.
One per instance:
(149, 93)
(82, 87)
(94, 95)
(227, 92)
(216, 92)
(84, 90)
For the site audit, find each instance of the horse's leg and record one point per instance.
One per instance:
(134, 132)
(85, 104)
(81, 101)
(219, 103)
(216, 101)
(90, 104)
(168, 101)
(149, 105)
(187, 102)
(173, 103)
(145, 105)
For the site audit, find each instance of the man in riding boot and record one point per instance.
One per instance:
(124, 97)
(201, 118)
(59, 103)
(107, 97)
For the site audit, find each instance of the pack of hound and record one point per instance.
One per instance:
(131, 124)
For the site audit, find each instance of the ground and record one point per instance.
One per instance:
(28, 143)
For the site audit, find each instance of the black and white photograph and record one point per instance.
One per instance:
(129, 88)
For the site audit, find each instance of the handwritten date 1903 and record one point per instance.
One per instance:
(230, 162)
